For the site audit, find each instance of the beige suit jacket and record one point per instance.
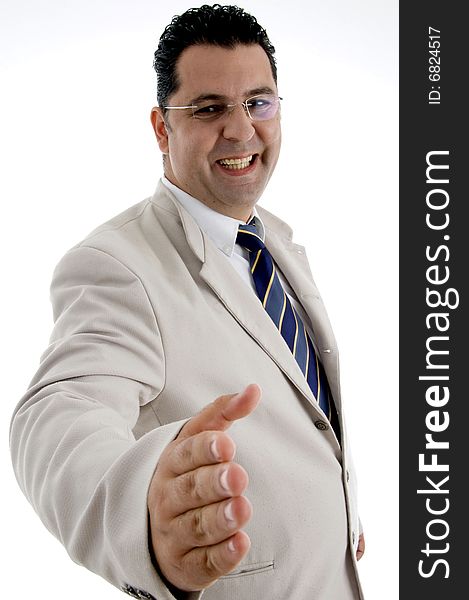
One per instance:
(152, 323)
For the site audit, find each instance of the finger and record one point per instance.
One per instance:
(221, 413)
(361, 546)
(210, 524)
(205, 448)
(212, 562)
(203, 486)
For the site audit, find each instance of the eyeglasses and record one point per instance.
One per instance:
(258, 108)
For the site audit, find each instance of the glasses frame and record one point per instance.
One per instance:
(229, 108)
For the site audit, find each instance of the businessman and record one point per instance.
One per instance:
(184, 435)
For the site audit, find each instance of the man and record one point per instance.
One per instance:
(171, 321)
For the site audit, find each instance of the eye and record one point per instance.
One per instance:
(259, 103)
(209, 111)
(262, 108)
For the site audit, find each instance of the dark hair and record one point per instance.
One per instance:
(224, 26)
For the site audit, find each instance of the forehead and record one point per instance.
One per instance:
(230, 72)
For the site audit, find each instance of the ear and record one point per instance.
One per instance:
(160, 129)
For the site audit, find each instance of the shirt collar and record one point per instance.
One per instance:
(221, 229)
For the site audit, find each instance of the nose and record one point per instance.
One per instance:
(238, 126)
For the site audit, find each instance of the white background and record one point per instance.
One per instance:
(76, 148)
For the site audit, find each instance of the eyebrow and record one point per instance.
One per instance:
(248, 94)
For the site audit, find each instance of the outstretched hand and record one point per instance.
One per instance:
(197, 510)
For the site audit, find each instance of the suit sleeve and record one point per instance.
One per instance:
(74, 452)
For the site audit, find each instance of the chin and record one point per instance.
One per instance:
(245, 198)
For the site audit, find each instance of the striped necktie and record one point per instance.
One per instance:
(284, 315)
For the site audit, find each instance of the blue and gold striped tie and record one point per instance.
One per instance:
(283, 314)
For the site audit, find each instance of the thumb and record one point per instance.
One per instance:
(220, 414)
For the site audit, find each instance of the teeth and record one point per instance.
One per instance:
(236, 163)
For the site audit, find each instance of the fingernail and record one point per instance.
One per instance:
(224, 480)
(214, 449)
(228, 512)
(231, 546)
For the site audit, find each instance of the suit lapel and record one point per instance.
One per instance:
(247, 309)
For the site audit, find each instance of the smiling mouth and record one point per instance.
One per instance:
(237, 164)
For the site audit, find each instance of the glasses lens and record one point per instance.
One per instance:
(262, 108)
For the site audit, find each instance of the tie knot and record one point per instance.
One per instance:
(248, 237)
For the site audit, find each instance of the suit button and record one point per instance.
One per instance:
(353, 537)
(348, 476)
(321, 425)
